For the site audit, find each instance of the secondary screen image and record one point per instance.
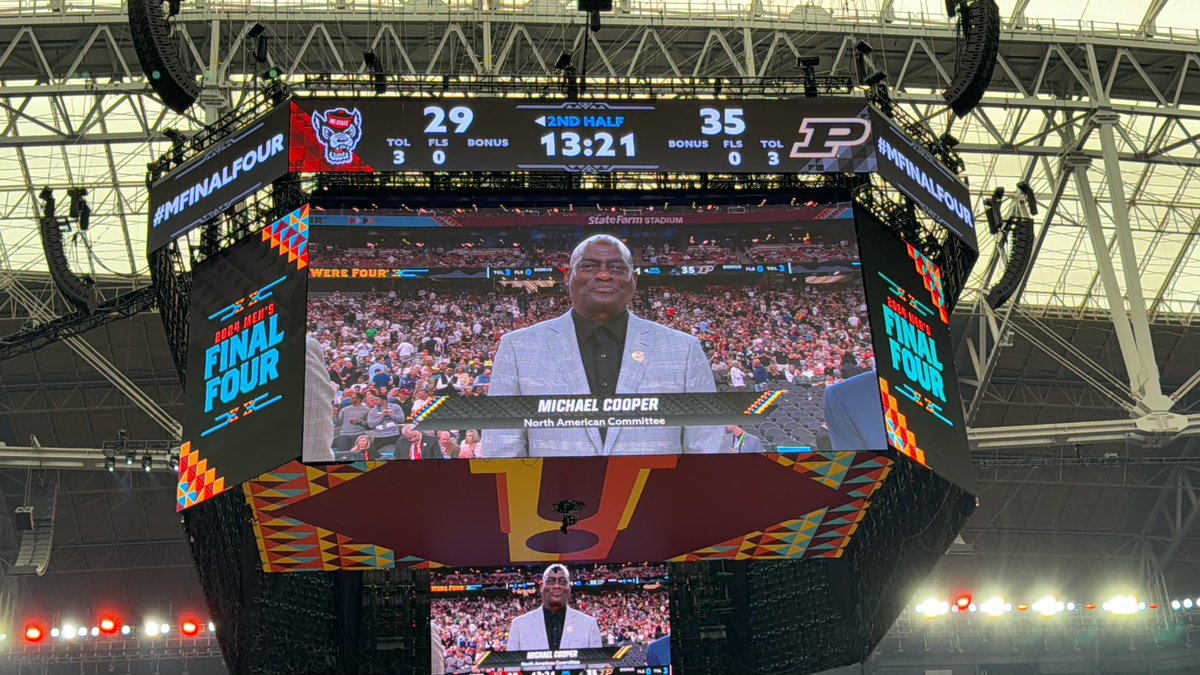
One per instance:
(553, 618)
(531, 305)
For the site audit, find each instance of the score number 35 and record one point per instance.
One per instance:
(714, 121)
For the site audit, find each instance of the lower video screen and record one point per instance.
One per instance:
(558, 618)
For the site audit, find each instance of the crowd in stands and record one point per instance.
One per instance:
(513, 575)
(653, 251)
(665, 254)
(469, 625)
(774, 253)
(424, 256)
(398, 349)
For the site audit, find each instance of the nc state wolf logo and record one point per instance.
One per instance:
(825, 137)
(339, 130)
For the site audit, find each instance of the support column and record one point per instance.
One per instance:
(1146, 385)
(1108, 275)
(489, 65)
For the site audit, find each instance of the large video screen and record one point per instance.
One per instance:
(557, 618)
(922, 406)
(246, 345)
(599, 332)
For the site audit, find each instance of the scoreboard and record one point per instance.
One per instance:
(382, 135)
(775, 136)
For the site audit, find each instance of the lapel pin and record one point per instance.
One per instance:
(639, 356)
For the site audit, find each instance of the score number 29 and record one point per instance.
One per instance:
(715, 121)
(460, 116)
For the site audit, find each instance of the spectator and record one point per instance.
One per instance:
(351, 422)
(760, 375)
(471, 448)
(737, 378)
(384, 418)
(447, 446)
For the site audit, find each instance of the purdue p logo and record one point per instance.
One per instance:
(826, 137)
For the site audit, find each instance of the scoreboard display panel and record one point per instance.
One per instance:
(466, 335)
(482, 134)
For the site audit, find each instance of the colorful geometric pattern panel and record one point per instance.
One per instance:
(197, 481)
(290, 545)
(309, 518)
(289, 236)
(899, 435)
(932, 274)
(823, 533)
(857, 474)
(296, 482)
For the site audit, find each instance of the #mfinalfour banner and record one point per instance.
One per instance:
(914, 171)
(227, 173)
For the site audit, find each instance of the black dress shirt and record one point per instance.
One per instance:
(554, 625)
(601, 347)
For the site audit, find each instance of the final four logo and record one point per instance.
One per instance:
(339, 130)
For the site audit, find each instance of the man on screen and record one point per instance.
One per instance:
(600, 348)
(554, 625)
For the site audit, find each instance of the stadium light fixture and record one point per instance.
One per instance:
(68, 631)
(994, 606)
(82, 631)
(34, 633)
(1187, 603)
(147, 463)
(1121, 605)
(110, 463)
(1175, 604)
(189, 628)
(164, 628)
(1048, 606)
(55, 632)
(151, 628)
(126, 629)
(933, 607)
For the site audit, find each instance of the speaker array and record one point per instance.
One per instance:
(77, 290)
(1020, 255)
(160, 57)
(977, 51)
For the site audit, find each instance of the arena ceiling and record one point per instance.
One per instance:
(74, 111)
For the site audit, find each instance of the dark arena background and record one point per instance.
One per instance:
(503, 362)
